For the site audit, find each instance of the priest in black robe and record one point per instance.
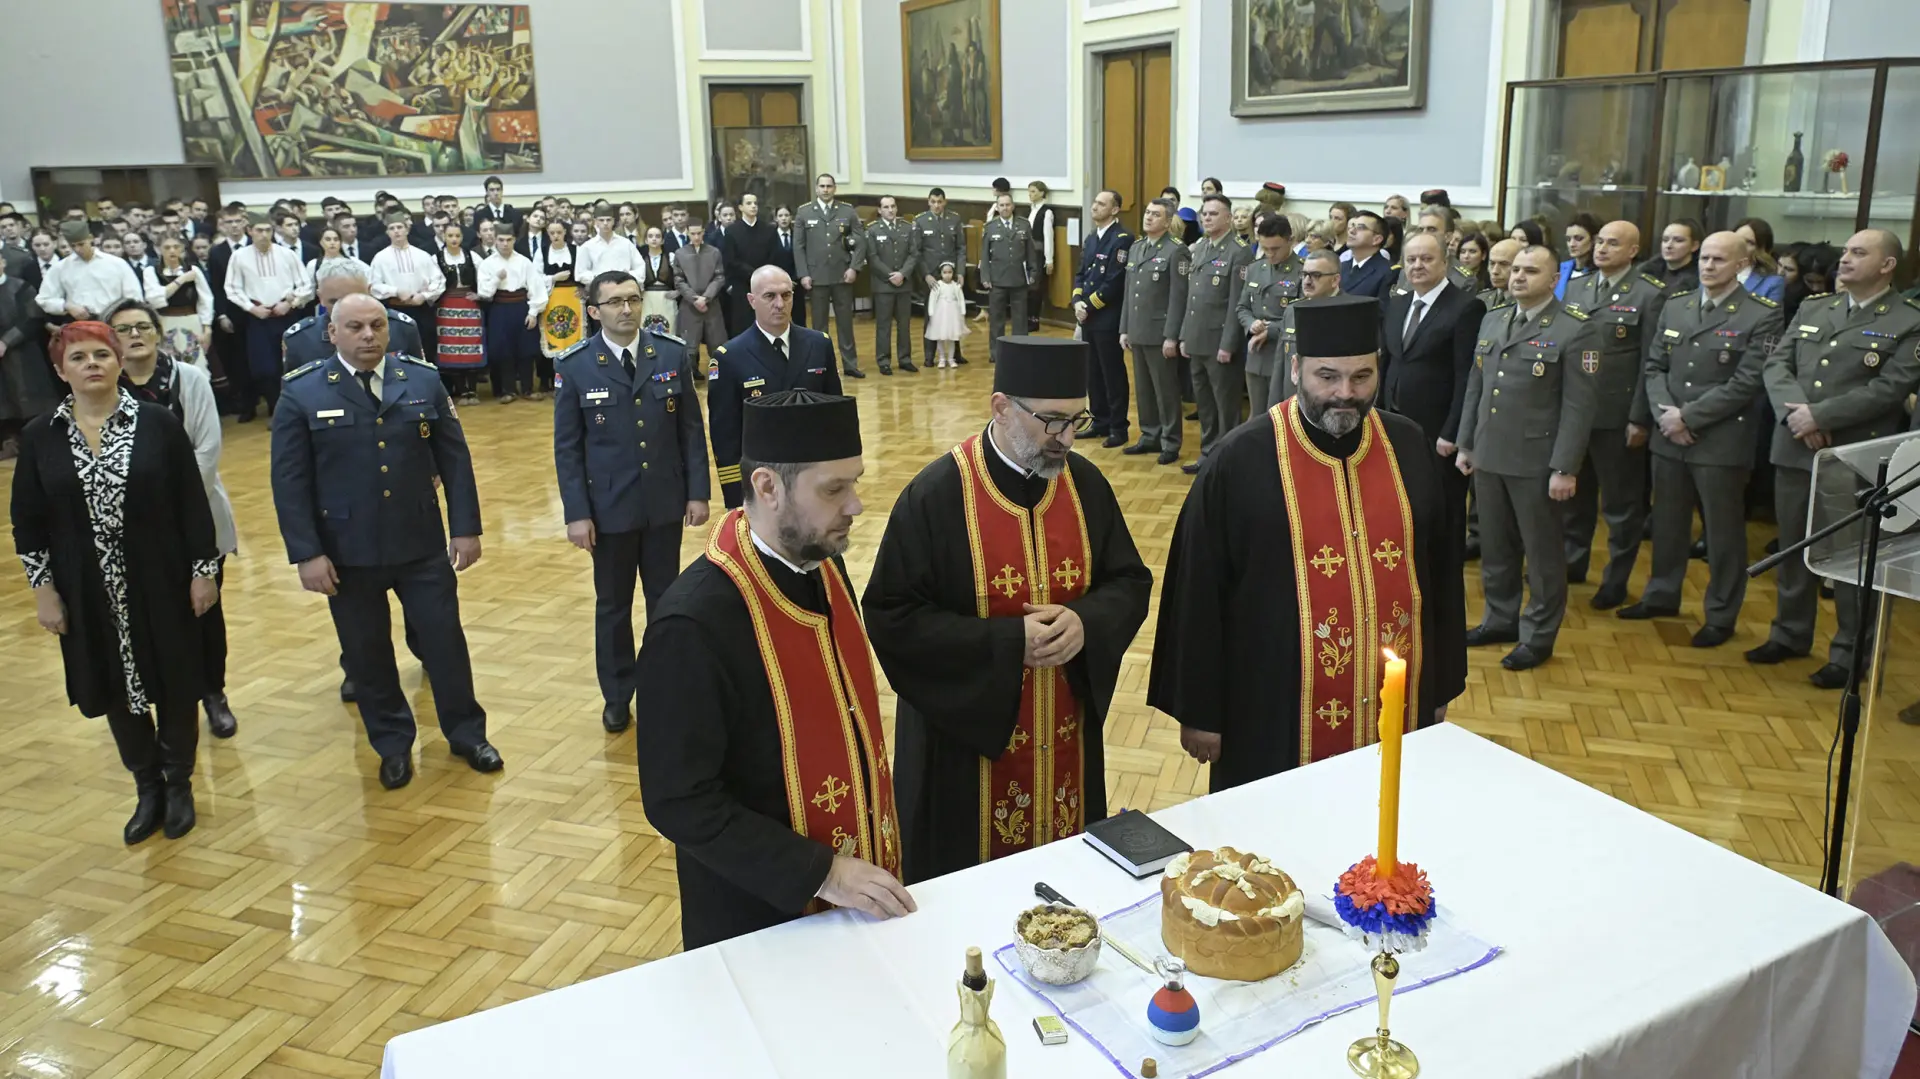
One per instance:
(1236, 659)
(1001, 636)
(775, 810)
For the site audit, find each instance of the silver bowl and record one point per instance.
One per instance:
(1056, 966)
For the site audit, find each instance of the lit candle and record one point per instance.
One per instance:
(1393, 718)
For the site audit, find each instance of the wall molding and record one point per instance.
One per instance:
(1813, 30)
(803, 54)
(838, 65)
(1055, 184)
(1091, 12)
(1093, 110)
(1363, 195)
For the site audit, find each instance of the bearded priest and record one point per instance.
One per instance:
(763, 759)
(1004, 594)
(1314, 537)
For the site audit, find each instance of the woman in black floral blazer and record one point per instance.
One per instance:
(112, 524)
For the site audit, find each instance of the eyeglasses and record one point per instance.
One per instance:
(134, 329)
(1315, 275)
(622, 303)
(1081, 422)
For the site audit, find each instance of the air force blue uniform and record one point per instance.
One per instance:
(749, 366)
(630, 452)
(306, 340)
(1101, 284)
(355, 482)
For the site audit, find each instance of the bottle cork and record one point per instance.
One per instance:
(975, 977)
(1149, 1069)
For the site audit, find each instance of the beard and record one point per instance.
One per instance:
(1337, 416)
(1031, 454)
(808, 545)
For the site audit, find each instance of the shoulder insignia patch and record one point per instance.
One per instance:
(1913, 302)
(1501, 304)
(1652, 280)
(665, 336)
(414, 360)
(1764, 302)
(1575, 313)
(400, 316)
(1395, 266)
(306, 368)
(720, 350)
(571, 349)
(298, 326)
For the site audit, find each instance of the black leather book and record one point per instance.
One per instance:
(1135, 843)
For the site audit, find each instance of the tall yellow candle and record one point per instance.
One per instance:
(1393, 718)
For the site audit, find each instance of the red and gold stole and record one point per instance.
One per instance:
(1032, 793)
(839, 788)
(1352, 532)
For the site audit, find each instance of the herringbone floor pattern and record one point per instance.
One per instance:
(312, 916)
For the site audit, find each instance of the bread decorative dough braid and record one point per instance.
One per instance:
(1231, 915)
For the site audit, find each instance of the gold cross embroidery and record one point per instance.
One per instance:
(1328, 562)
(1067, 574)
(1388, 554)
(1020, 738)
(1064, 729)
(1334, 712)
(830, 794)
(1008, 581)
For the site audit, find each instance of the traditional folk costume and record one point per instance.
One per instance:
(563, 324)
(511, 346)
(1297, 557)
(764, 757)
(186, 314)
(458, 325)
(994, 757)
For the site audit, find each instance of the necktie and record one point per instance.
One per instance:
(780, 346)
(626, 361)
(786, 243)
(1413, 322)
(366, 383)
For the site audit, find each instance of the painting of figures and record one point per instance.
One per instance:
(292, 89)
(1306, 56)
(950, 70)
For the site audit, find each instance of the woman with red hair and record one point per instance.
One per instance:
(113, 526)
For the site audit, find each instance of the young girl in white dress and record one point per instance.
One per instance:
(946, 315)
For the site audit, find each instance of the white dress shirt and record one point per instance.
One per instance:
(379, 372)
(266, 278)
(95, 284)
(1422, 306)
(521, 274)
(598, 256)
(398, 271)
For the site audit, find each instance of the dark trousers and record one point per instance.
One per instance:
(230, 351)
(511, 348)
(1036, 302)
(213, 637)
(429, 337)
(1677, 485)
(802, 299)
(892, 326)
(430, 597)
(1612, 484)
(159, 744)
(739, 314)
(654, 554)
(263, 360)
(1006, 314)
(836, 296)
(1107, 382)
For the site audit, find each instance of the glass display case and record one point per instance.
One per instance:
(1578, 144)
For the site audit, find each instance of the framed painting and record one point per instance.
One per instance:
(305, 88)
(1311, 56)
(950, 79)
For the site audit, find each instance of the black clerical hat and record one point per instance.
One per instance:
(1041, 368)
(1344, 325)
(797, 427)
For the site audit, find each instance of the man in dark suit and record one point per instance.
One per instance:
(752, 242)
(673, 227)
(1370, 273)
(1099, 290)
(773, 354)
(783, 243)
(495, 209)
(645, 487)
(1427, 349)
(229, 319)
(358, 442)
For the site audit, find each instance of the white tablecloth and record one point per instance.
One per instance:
(1633, 949)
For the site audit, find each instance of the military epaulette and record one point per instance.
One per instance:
(665, 336)
(1395, 266)
(1675, 293)
(298, 326)
(303, 369)
(571, 349)
(1652, 280)
(1502, 303)
(1399, 291)
(1241, 240)
(1913, 302)
(1575, 313)
(400, 315)
(1764, 302)
(414, 360)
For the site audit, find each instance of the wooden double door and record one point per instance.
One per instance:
(1136, 127)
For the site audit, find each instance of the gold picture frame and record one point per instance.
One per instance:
(950, 79)
(1713, 178)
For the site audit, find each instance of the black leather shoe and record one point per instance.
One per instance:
(1773, 545)
(396, 771)
(1910, 715)
(1576, 576)
(480, 756)
(1138, 448)
(1113, 441)
(244, 417)
(179, 809)
(1712, 636)
(1772, 652)
(886, 369)
(908, 367)
(147, 812)
(1641, 611)
(853, 372)
(1481, 635)
(1471, 553)
(1831, 676)
(1525, 658)
(347, 692)
(1699, 550)
(1608, 597)
(1193, 416)
(959, 359)
(220, 718)
(1191, 468)
(1167, 457)
(615, 717)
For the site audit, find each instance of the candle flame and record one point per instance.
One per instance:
(1388, 652)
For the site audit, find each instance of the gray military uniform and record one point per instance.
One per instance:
(1853, 367)
(938, 238)
(1004, 270)
(1280, 386)
(1709, 364)
(891, 249)
(1268, 292)
(1215, 271)
(1613, 479)
(1155, 306)
(1527, 413)
(827, 242)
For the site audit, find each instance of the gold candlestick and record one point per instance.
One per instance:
(1380, 1057)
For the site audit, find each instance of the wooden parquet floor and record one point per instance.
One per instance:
(312, 915)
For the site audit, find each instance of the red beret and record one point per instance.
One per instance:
(1276, 188)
